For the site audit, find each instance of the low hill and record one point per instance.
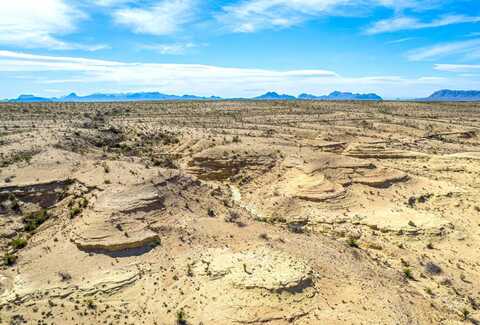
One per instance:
(454, 95)
(120, 97)
(337, 95)
(275, 96)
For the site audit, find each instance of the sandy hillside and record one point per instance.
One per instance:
(240, 213)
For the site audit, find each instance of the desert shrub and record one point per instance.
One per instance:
(407, 272)
(18, 243)
(64, 276)
(18, 157)
(9, 259)
(352, 242)
(232, 217)
(75, 211)
(106, 169)
(35, 220)
(181, 318)
(83, 203)
(91, 304)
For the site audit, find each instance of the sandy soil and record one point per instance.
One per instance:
(240, 213)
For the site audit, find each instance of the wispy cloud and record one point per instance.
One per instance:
(401, 40)
(110, 3)
(251, 15)
(457, 67)
(469, 49)
(417, 5)
(408, 23)
(164, 18)
(171, 48)
(203, 79)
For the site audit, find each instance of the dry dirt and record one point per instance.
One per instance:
(240, 213)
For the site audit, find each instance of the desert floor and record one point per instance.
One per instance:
(240, 213)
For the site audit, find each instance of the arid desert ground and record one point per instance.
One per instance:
(240, 212)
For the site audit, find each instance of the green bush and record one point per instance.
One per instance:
(9, 259)
(35, 220)
(408, 274)
(18, 243)
(74, 212)
(352, 242)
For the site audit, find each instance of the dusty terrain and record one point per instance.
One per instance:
(240, 213)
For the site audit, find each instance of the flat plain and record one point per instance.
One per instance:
(240, 212)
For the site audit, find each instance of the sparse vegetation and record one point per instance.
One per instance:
(64, 276)
(352, 242)
(9, 259)
(35, 220)
(75, 211)
(181, 317)
(336, 196)
(18, 243)
(407, 272)
(91, 304)
(18, 157)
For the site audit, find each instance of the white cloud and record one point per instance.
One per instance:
(470, 49)
(37, 24)
(457, 67)
(203, 79)
(33, 23)
(163, 18)
(418, 5)
(409, 23)
(110, 3)
(171, 48)
(401, 40)
(251, 15)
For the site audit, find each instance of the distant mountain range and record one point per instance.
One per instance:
(448, 95)
(441, 95)
(156, 96)
(29, 99)
(275, 96)
(121, 97)
(337, 95)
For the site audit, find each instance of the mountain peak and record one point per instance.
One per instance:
(272, 95)
(338, 95)
(455, 95)
(30, 98)
(157, 96)
(118, 97)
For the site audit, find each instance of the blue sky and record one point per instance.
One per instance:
(230, 48)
